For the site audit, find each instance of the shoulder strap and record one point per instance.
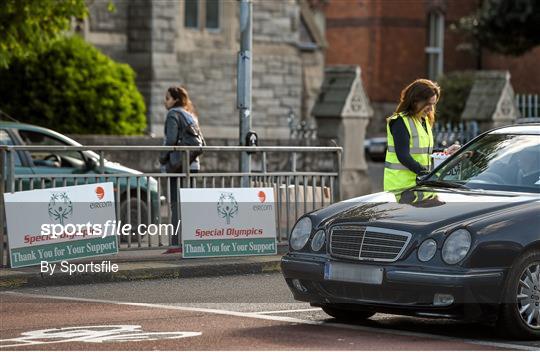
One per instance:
(187, 118)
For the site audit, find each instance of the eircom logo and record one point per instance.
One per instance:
(100, 192)
(262, 206)
(262, 196)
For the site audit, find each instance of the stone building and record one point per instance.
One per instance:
(195, 43)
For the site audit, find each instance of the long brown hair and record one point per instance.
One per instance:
(418, 91)
(181, 96)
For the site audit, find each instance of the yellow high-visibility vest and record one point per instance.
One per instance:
(396, 175)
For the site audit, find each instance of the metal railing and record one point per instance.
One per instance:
(446, 134)
(147, 196)
(528, 105)
(305, 130)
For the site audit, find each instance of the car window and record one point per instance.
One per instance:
(46, 158)
(504, 162)
(5, 139)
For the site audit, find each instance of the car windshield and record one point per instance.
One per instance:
(495, 162)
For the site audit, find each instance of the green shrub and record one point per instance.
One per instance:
(455, 89)
(72, 87)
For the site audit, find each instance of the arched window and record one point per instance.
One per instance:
(435, 44)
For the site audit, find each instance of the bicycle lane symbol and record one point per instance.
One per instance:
(92, 334)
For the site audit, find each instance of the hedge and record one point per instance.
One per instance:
(72, 87)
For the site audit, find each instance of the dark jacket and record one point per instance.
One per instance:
(174, 125)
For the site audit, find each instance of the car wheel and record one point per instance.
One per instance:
(520, 311)
(132, 208)
(345, 314)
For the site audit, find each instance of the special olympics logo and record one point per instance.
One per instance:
(60, 207)
(227, 207)
(100, 192)
(262, 196)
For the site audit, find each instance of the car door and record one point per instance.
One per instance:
(21, 162)
(50, 165)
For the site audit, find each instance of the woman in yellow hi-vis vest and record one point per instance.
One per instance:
(410, 137)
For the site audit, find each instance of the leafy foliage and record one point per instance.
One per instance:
(508, 27)
(28, 26)
(455, 88)
(73, 88)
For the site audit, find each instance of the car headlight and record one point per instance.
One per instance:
(456, 246)
(318, 240)
(300, 233)
(427, 250)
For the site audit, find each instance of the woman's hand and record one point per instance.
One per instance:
(452, 149)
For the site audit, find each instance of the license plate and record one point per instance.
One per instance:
(363, 274)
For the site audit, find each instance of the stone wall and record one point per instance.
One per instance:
(151, 37)
(147, 161)
(312, 77)
(276, 21)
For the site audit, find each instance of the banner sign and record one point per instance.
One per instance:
(62, 223)
(219, 222)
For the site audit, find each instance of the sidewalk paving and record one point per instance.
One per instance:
(145, 264)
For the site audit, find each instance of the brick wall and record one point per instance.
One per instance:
(388, 39)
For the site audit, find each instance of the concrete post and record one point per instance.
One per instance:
(491, 102)
(342, 112)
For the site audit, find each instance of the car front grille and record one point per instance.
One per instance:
(367, 243)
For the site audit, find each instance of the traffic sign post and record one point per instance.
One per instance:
(244, 83)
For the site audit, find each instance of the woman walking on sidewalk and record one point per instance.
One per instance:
(181, 120)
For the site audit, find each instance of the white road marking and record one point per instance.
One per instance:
(91, 334)
(289, 311)
(285, 319)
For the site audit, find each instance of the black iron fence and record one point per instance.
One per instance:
(528, 105)
(446, 134)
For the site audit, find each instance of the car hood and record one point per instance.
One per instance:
(420, 207)
(111, 167)
(116, 168)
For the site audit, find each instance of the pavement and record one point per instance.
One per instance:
(143, 264)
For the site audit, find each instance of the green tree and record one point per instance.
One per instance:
(28, 26)
(509, 27)
(455, 89)
(73, 88)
